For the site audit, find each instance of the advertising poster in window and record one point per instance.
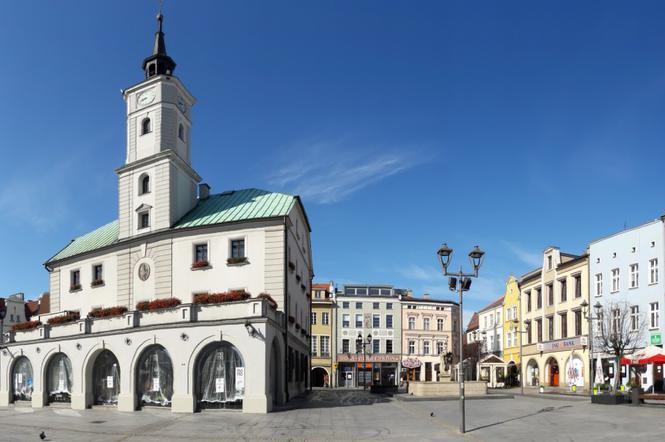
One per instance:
(219, 385)
(574, 372)
(109, 381)
(240, 378)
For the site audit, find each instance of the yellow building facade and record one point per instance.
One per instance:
(323, 337)
(511, 313)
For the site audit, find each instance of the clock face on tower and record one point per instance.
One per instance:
(145, 97)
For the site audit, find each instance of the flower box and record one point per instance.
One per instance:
(70, 328)
(220, 298)
(97, 283)
(229, 310)
(75, 287)
(168, 315)
(107, 312)
(158, 304)
(110, 323)
(236, 261)
(40, 332)
(27, 325)
(63, 319)
(200, 265)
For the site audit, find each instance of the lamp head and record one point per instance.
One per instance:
(598, 307)
(445, 253)
(476, 257)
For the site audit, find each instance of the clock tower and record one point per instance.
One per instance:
(157, 184)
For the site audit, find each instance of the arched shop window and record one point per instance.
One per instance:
(106, 379)
(532, 375)
(59, 378)
(22, 380)
(155, 377)
(221, 377)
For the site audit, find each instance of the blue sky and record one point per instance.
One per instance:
(511, 125)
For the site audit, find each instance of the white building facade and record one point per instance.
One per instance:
(197, 300)
(490, 328)
(627, 267)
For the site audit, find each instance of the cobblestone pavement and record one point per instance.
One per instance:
(348, 415)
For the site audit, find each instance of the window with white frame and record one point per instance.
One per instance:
(616, 320)
(514, 312)
(412, 347)
(426, 323)
(654, 315)
(439, 324)
(439, 347)
(426, 347)
(313, 318)
(201, 253)
(412, 323)
(345, 346)
(237, 248)
(376, 346)
(325, 345)
(376, 321)
(599, 284)
(615, 280)
(389, 345)
(634, 317)
(653, 271)
(325, 318)
(346, 320)
(314, 345)
(389, 321)
(498, 318)
(509, 340)
(359, 320)
(634, 275)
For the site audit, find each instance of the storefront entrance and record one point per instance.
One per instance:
(552, 372)
(320, 377)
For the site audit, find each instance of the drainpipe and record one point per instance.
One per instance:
(286, 312)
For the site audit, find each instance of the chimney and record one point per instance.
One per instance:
(45, 303)
(204, 191)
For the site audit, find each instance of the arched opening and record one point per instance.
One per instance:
(512, 375)
(220, 375)
(181, 132)
(320, 377)
(59, 379)
(146, 126)
(552, 372)
(154, 377)
(144, 184)
(106, 379)
(532, 373)
(276, 375)
(22, 385)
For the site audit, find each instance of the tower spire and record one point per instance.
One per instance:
(159, 63)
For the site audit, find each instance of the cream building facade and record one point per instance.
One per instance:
(555, 349)
(323, 336)
(163, 338)
(429, 331)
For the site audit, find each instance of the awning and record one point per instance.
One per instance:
(649, 355)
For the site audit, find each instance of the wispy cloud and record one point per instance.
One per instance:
(530, 258)
(330, 171)
(419, 273)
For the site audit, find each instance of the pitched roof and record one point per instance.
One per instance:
(320, 285)
(474, 323)
(494, 304)
(225, 207)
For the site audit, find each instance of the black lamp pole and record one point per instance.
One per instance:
(460, 282)
(364, 342)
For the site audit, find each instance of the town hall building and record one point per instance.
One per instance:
(189, 300)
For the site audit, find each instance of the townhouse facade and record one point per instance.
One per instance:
(429, 332)
(369, 345)
(491, 328)
(323, 337)
(511, 318)
(555, 349)
(626, 271)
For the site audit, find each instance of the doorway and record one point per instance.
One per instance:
(553, 372)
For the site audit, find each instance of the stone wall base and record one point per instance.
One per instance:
(471, 388)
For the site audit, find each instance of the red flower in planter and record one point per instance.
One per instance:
(200, 264)
(268, 298)
(218, 298)
(236, 260)
(107, 312)
(74, 287)
(64, 319)
(97, 283)
(28, 325)
(158, 304)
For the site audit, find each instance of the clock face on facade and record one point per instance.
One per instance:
(144, 271)
(145, 97)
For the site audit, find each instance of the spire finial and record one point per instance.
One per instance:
(160, 19)
(159, 63)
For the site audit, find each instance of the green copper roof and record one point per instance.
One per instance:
(239, 205)
(226, 207)
(103, 236)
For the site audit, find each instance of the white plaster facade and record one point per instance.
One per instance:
(155, 261)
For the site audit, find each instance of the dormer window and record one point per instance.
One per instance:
(181, 132)
(146, 126)
(144, 184)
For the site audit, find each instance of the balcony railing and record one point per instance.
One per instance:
(176, 316)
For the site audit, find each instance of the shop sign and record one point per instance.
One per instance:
(656, 338)
(411, 363)
(359, 357)
(562, 344)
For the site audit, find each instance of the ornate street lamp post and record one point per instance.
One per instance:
(586, 311)
(460, 282)
(360, 342)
